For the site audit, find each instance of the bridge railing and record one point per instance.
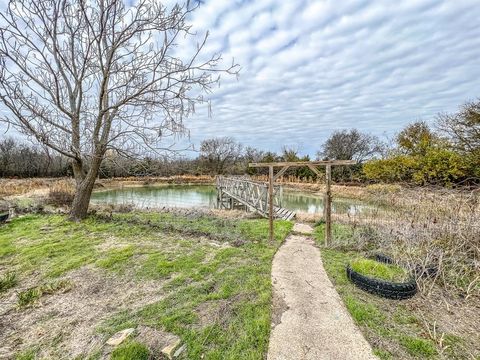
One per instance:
(252, 193)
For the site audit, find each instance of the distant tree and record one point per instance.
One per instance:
(416, 139)
(463, 128)
(251, 155)
(350, 145)
(84, 77)
(218, 153)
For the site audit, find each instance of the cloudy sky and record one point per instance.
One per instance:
(313, 66)
(309, 67)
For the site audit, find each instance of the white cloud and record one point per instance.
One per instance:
(312, 66)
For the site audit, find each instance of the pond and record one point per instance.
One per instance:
(187, 196)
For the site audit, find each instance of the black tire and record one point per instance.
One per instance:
(3, 218)
(386, 289)
(382, 258)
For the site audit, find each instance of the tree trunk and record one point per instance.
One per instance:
(83, 191)
(81, 201)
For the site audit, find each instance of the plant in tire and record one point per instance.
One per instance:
(386, 280)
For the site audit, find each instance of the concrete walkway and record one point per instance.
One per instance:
(310, 321)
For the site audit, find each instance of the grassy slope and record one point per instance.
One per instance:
(394, 328)
(159, 246)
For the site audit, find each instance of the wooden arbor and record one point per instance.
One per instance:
(312, 165)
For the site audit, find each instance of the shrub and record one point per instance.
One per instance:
(61, 194)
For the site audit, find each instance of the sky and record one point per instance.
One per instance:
(310, 67)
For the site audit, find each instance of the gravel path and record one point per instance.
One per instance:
(310, 320)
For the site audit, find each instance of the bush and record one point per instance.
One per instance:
(61, 195)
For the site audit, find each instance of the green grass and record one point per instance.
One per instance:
(202, 265)
(7, 281)
(379, 270)
(418, 347)
(394, 327)
(32, 295)
(131, 350)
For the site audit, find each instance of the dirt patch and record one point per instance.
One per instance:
(279, 306)
(217, 311)
(69, 320)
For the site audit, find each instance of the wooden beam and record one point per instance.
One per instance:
(281, 172)
(304, 163)
(315, 170)
(270, 199)
(328, 206)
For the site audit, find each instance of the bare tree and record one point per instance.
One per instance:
(463, 128)
(217, 153)
(350, 145)
(86, 76)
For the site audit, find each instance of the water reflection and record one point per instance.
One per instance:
(187, 196)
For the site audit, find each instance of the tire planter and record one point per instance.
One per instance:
(419, 270)
(3, 218)
(386, 289)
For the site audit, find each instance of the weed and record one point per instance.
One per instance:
(8, 281)
(30, 296)
(29, 354)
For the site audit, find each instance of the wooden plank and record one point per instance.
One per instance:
(315, 170)
(304, 163)
(328, 206)
(270, 200)
(281, 172)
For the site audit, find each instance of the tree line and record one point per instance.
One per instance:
(446, 153)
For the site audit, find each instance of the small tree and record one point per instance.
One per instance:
(350, 145)
(83, 77)
(463, 128)
(217, 153)
(416, 139)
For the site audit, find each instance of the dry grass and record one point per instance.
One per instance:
(36, 186)
(60, 194)
(422, 229)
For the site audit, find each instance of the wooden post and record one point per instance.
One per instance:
(270, 200)
(327, 211)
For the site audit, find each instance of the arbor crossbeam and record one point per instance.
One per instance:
(327, 208)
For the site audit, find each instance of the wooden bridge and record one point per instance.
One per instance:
(253, 195)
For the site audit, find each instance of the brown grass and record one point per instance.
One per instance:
(422, 228)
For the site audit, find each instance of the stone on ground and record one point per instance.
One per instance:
(120, 337)
(169, 350)
(302, 229)
(314, 324)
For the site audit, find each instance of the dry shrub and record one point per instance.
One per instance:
(9, 187)
(435, 233)
(60, 194)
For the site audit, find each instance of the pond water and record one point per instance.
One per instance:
(187, 196)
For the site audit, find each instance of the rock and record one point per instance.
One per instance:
(155, 339)
(302, 229)
(169, 350)
(120, 337)
(180, 350)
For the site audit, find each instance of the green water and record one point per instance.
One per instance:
(191, 196)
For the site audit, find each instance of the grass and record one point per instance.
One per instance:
(32, 295)
(212, 276)
(131, 350)
(372, 268)
(394, 328)
(8, 281)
